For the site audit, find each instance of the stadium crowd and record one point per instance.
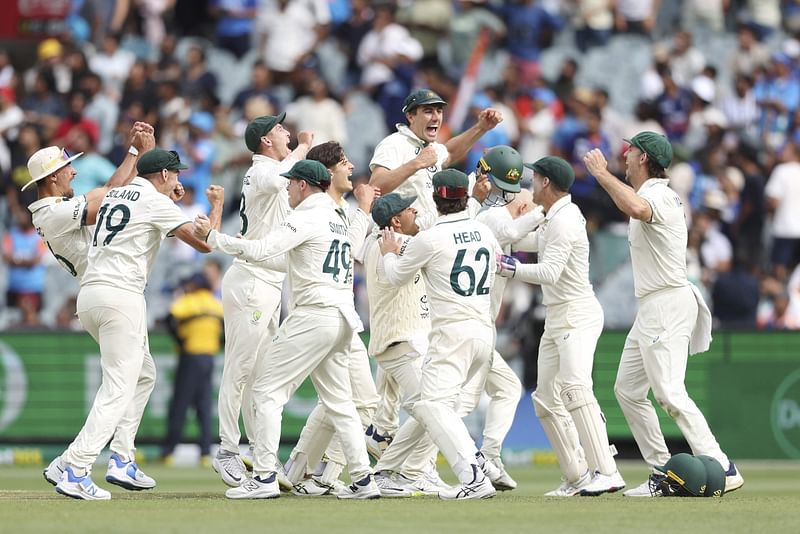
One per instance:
(721, 78)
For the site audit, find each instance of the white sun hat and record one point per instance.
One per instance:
(46, 161)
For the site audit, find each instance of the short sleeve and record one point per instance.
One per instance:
(776, 186)
(387, 154)
(662, 199)
(166, 215)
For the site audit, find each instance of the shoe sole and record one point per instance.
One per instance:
(503, 487)
(78, 497)
(127, 485)
(370, 498)
(734, 488)
(246, 498)
(232, 484)
(596, 493)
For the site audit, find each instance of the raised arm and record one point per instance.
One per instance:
(216, 196)
(623, 195)
(142, 140)
(459, 145)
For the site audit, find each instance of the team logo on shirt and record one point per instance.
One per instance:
(256, 317)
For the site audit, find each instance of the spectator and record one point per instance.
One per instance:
(686, 61)
(42, 105)
(778, 95)
(735, 296)
(198, 151)
(76, 105)
(741, 109)
(783, 203)
(139, 89)
(11, 116)
(195, 321)
(750, 55)
(530, 28)
(704, 15)
(197, 79)
(24, 253)
(179, 252)
(113, 64)
(674, 106)
(100, 109)
(260, 85)
(235, 24)
(7, 71)
(93, 169)
(212, 270)
(317, 112)
(289, 31)
(636, 16)
(593, 21)
(29, 140)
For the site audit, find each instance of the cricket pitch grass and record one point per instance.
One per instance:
(192, 500)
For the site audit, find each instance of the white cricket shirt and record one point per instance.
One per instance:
(563, 247)
(263, 207)
(319, 261)
(658, 247)
(395, 313)
(131, 223)
(400, 148)
(457, 260)
(61, 222)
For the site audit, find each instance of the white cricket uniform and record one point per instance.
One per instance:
(398, 149)
(456, 259)
(251, 297)
(318, 430)
(573, 324)
(316, 337)
(672, 321)
(131, 223)
(61, 222)
(399, 329)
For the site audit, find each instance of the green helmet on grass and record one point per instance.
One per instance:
(685, 476)
(715, 476)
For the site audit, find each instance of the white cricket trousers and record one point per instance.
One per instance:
(412, 451)
(564, 369)
(318, 430)
(655, 356)
(312, 340)
(456, 355)
(117, 320)
(504, 389)
(251, 309)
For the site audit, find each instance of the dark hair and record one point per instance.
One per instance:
(446, 206)
(654, 170)
(329, 154)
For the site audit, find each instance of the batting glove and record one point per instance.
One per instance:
(506, 265)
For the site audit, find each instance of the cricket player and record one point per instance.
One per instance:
(672, 321)
(564, 400)
(315, 338)
(318, 430)
(131, 223)
(458, 274)
(65, 222)
(251, 293)
(406, 160)
(399, 329)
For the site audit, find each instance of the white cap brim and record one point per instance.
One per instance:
(56, 169)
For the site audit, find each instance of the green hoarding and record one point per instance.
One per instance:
(748, 385)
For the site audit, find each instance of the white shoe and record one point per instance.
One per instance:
(376, 442)
(53, 472)
(421, 486)
(502, 480)
(80, 487)
(283, 480)
(390, 487)
(733, 478)
(363, 489)
(649, 488)
(127, 475)
(255, 488)
(601, 483)
(480, 488)
(567, 489)
(230, 468)
(312, 488)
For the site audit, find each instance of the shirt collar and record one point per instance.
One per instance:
(453, 217)
(650, 182)
(260, 158)
(557, 205)
(321, 199)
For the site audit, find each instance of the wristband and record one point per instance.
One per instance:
(133, 150)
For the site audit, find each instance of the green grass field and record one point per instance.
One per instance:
(192, 500)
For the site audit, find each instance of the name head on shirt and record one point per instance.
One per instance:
(466, 237)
